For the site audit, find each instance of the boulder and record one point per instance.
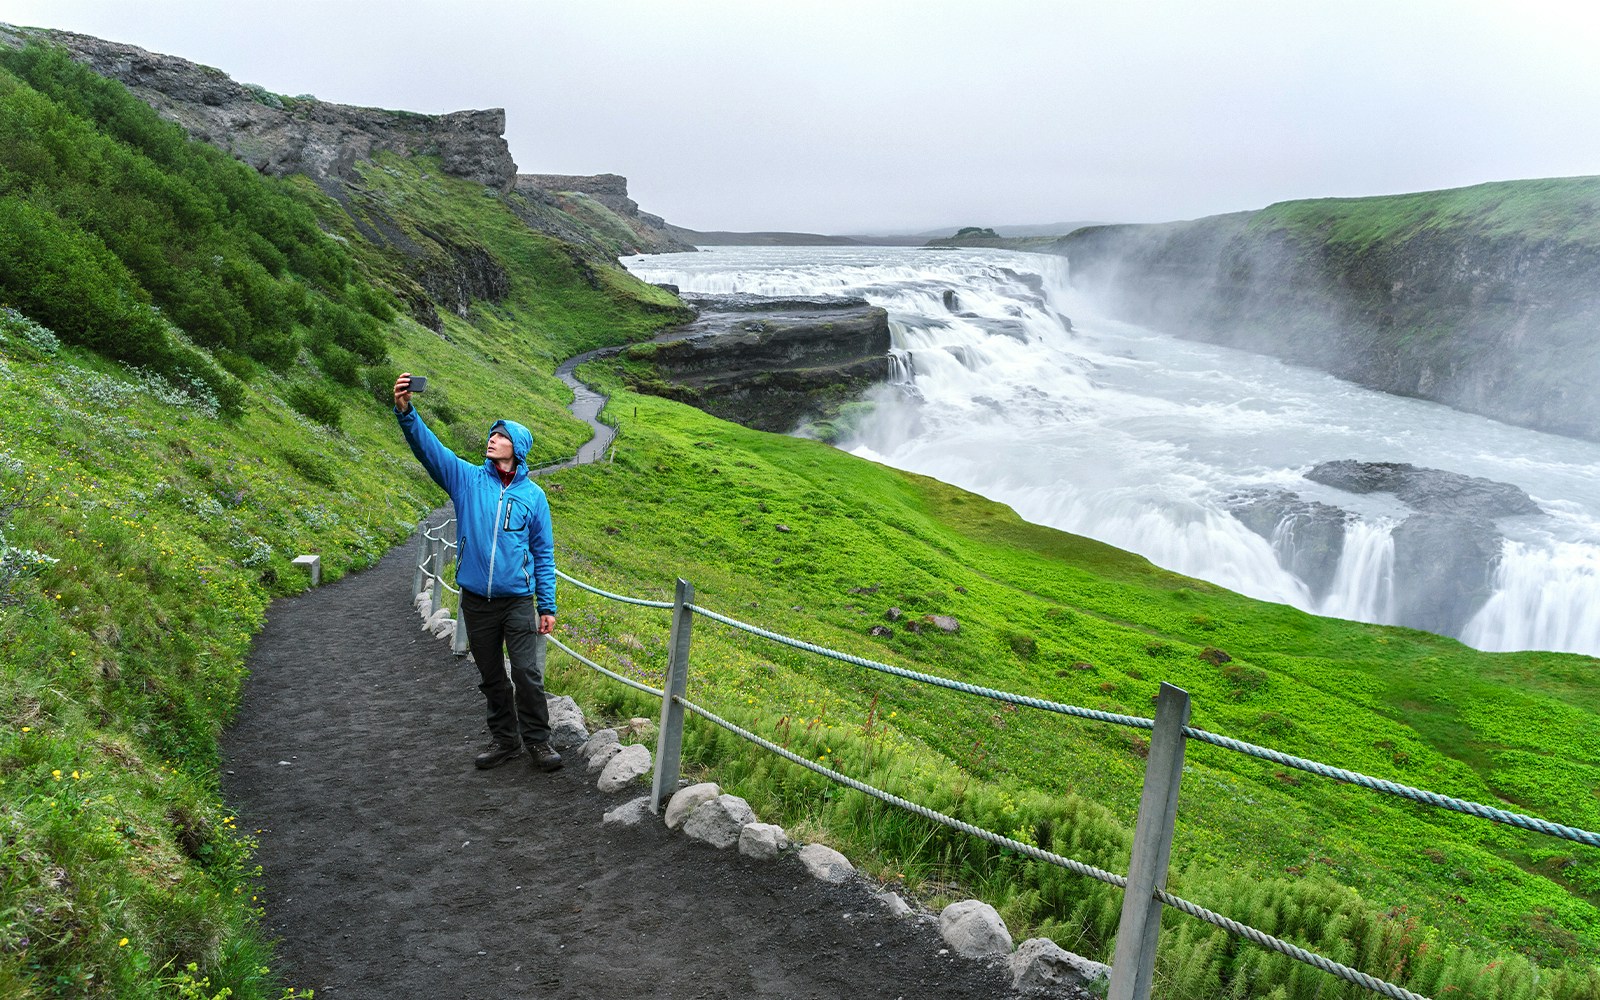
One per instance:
(762, 841)
(566, 722)
(944, 623)
(1042, 966)
(624, 769)
(630, 813)
(686, 800)
(973, 929)
(892, 902)
(719, 821)
(826, 864)
(597, 740)
(602, 756)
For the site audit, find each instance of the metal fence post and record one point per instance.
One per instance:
(1133, 965)
(669, 738)
(422, 556)
(458, 640)
(436, 567)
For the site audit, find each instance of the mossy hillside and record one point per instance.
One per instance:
(151, 526)
(1561, 209)
(1068, 619)
(122, 661)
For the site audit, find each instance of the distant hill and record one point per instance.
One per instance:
(936, 237)
(1032, 238)
(764, 239)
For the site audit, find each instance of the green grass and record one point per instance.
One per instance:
(1103, 628)
(1563, 210)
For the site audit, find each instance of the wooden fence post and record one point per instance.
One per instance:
(669, 738)
(1133, 964)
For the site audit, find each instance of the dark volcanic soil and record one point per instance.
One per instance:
(393, 868)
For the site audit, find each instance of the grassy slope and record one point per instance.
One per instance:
(119, 865)
(1563, 209)
(1405, 705)
(139, 617)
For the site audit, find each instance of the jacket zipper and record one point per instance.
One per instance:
(494, 542)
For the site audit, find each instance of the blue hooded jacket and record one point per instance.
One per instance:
(507, 548)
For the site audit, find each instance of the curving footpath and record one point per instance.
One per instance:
(391, 867)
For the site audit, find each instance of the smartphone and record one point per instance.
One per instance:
(418, 383)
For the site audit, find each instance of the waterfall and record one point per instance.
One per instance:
(1544, 598)
(1005, 381)
(1363, 584)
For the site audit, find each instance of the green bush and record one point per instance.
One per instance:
(315, 402)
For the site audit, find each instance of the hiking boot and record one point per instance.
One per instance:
(497, 753)
(545, 757)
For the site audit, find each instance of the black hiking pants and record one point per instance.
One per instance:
(518, 713)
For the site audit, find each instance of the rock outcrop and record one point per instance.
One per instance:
(1444, 295)
(1307, 536)
(438, 270)
(1445, 552)
(580, 195)
(281, 135)
(770, 364)
(601, 203)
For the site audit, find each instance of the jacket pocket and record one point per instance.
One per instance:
(516, 516)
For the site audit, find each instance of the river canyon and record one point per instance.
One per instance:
(1277, 481)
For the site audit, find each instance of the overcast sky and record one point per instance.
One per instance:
(863, 116)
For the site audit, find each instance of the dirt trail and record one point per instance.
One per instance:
(393, 868)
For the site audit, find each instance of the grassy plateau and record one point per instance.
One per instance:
(154, 488)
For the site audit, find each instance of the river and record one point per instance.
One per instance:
(1138, 438)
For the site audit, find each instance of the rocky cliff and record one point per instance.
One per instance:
(1486, 299)
(602, 202)
(281, 135)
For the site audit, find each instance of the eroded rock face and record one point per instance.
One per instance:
(282, 136)
(771, 363)
(1307, 536)
(642, 232)
(1445, 553)
(1443, 570)
(1493, 322)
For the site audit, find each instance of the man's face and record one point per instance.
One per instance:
(499, 448)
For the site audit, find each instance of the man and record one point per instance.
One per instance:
(506, 570)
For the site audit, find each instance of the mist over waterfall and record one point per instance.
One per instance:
(1006, 382)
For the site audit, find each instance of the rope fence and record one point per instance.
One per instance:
(1136, 938)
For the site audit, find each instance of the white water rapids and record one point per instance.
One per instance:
(1136, 438)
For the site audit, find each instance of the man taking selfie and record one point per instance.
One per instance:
(506, 572)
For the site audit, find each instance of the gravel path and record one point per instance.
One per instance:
(393, 868)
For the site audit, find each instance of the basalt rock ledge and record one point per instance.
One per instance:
(770, 364)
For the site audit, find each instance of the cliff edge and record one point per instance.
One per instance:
(280, 135)
(1485, 298)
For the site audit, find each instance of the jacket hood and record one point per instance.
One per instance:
(521, 438)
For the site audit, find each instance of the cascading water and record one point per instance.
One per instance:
(1140, 439)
